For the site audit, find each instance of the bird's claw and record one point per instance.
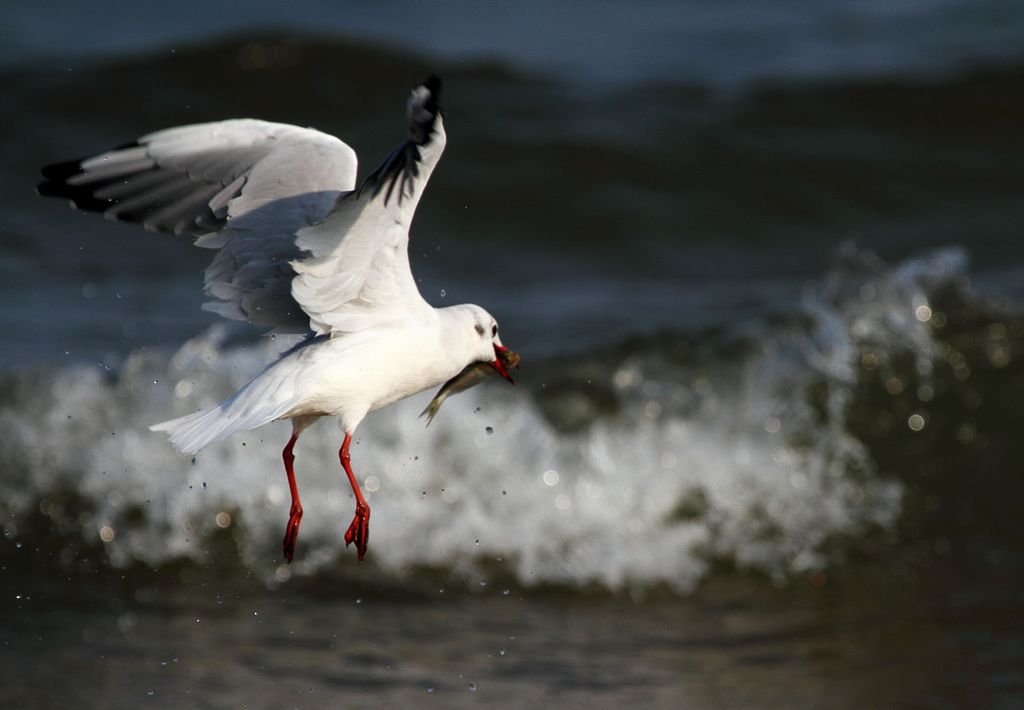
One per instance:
(291, 533)
(359, 531)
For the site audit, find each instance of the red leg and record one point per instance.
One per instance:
(359, 531)
(291, 533)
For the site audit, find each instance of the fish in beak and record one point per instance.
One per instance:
(473, 374)
(503, 358)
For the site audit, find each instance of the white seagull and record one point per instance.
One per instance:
(300, 249)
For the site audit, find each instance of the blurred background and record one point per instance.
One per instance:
(765, 268)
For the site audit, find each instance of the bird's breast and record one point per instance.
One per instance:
(371, 372)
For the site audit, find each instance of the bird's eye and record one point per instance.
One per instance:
(494, 330)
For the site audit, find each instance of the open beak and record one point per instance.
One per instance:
(500, 355)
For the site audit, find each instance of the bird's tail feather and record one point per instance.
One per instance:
(192, 432)
(263, 400)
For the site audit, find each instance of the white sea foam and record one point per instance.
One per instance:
(732, 461)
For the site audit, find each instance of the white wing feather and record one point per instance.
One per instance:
(299, 248)
(243, 186)
(357, 272)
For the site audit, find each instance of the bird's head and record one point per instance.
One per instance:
(481, 335)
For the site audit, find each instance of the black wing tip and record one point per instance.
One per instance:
(59, 172)
(400, 169)
(429, 103)
(56, 185)
(80, 196)
(424, 109)
(433, 85)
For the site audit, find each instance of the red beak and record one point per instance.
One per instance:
(499, 364)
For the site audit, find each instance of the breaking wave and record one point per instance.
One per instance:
(645, 464)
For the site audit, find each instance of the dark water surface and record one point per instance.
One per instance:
(766, 272)
(860, 638)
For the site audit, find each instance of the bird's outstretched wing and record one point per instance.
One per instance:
(242, 186)
(299, 247)
(355, 269)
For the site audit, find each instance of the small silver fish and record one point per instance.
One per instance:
(472, 374)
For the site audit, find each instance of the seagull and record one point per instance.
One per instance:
(300, 248)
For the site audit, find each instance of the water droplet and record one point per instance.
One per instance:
(204, 485)
(501, 651)
(505, 592)
(156, 382)
(430, 689)
(483, 583)
(472, 687)
(489, 430)
(359, 600)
